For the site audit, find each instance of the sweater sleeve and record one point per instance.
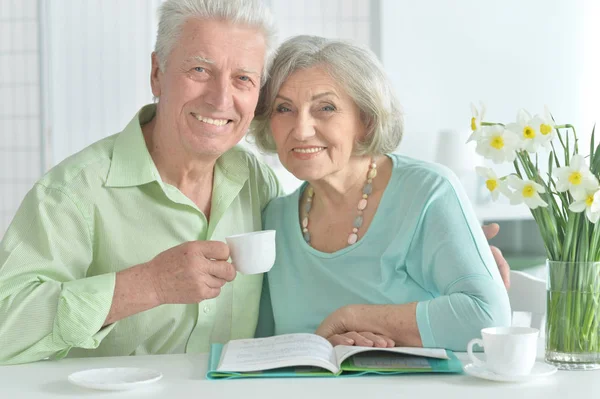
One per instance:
(450, 255)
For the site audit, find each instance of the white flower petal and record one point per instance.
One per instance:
(577, 191)
(562, 173)
(592, 216)
(514, 181)
(482, 171)
(495, 195)
(538, 201)
(590, 182)
(523, 117)
(538, 187)
(474, 111)
(503, 188)
(578, 206)
(531, 202)
(548, 116)
(476, 135)
(576, 162)
(562, 186)
(516, 198)
(579, 196)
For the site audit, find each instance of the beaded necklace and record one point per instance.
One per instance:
(362, 204)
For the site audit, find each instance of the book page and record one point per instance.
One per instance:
(342, 352)
(280, 351)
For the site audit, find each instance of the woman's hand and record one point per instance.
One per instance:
(337, 323)
(372, 325)
(338, 329)
(364, 338)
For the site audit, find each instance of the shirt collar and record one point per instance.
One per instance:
(132, 164)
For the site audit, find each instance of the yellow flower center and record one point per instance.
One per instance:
(497, 142)
(491, 184)
(473, 124)
(528, 132)
(589, 200)
(528, 191)
(545, 129)
(575, 178)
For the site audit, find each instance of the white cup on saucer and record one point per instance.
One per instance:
(509, 351)
(252, 253)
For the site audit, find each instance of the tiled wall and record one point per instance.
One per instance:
(20, 111)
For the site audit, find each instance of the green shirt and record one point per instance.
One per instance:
(106, 209)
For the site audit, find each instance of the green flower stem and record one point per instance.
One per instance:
(576, 145)
(574, 307)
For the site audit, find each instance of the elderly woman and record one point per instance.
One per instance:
(374, 248)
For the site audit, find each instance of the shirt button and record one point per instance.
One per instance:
(206, 309)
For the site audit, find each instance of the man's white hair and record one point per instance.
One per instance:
(172, 15)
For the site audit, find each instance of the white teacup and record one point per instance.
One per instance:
(509, 351)
(252, 253)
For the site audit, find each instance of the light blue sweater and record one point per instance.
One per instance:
(424, 244)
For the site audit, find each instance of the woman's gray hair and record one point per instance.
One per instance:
(356, 70)
(173, 14)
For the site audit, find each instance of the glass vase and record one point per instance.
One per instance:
(573, 315)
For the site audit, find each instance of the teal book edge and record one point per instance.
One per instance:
(451, 365)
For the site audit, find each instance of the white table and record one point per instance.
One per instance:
(184, 378)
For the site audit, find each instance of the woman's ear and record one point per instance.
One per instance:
(155, 75)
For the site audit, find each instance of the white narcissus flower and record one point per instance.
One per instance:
(576, 178)
(526, 191)
(525, 128)
(546, 126)
(476, 119)
(588, 201)
(497, 143)
(492, 182)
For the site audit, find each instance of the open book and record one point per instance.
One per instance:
(309, 355)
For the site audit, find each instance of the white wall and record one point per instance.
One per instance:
(443, 55)
(99, 69)
(20, 111)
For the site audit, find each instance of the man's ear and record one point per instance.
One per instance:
(155, 75)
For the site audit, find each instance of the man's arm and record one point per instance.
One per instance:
(188, 273)
(47, 304)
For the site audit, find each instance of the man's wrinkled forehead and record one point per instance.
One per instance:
(210, 42)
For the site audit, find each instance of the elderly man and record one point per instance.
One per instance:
(119, 249)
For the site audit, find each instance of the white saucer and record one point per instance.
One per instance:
(540, 369)
(114, 379)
